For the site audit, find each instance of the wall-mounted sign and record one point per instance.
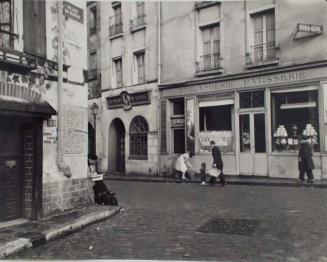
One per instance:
(127, 101)
(178, 121)
(306, 30)
(73, 12)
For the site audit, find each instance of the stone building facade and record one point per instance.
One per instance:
(127, 58)
(32, 184)
(250, 75)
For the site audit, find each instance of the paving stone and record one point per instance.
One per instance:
(161, 221)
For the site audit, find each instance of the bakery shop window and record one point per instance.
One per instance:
(294, 118)
(216, 124)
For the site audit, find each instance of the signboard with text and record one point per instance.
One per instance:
(73, 12)
(127, 101)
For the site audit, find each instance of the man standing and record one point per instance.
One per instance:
(217, 163)
(305, 161)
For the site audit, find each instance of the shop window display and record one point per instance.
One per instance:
(216, 125)
(294, 117)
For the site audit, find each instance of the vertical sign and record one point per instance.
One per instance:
(190, 145)
(163, 133)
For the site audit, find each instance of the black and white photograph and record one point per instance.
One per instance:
(163, 130)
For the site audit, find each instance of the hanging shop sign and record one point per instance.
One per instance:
(73, 12)
(306, 30)
(127, 101)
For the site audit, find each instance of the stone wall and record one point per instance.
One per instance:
(63, 195)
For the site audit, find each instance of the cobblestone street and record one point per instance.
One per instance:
(162, 221)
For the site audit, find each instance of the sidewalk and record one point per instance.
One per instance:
(231, 180)
(25, 234)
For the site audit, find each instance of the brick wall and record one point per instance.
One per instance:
(28, 170)
(65, 195)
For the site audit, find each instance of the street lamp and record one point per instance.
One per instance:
(95, 111)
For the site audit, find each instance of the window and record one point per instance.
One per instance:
(210, 60)
(138, 21)
(93, 20)
(252, 99)
(118, 72)
(116, 22)
(216, 125)
(140, 67)
(294, 116)
(93, 66)
(6, 24)
(264, 46)
(139, 138)
(178, 106)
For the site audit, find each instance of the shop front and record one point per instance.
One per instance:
(258, 122)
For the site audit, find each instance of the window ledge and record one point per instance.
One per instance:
(262, 64)
(138, 28)
(116, 36)
(209, 72)
(138, 157)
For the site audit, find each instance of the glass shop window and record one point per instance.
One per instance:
(252, 99)
(294, 118)
(179, 141)
(216, 124)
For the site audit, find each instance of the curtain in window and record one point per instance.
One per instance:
(140, 68)
(119, 75)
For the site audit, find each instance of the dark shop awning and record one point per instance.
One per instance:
(43, 110)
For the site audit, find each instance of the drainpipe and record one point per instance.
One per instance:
(159, 81)
(63, 167)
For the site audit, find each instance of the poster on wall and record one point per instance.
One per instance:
(75, 131)
(190, 145)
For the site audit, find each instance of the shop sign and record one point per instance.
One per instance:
(306, 30)
(127, 101)
(249, 82)
(73, 12)
(178, 121)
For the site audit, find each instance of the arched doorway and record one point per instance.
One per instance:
(91, 144)
(116, 146)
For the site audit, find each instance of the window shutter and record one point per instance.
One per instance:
(34, 27)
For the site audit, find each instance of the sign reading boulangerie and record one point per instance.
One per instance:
(127, 101)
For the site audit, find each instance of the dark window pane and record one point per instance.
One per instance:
(245, 100)
(259, 133)
(139, 137)
(258, 99)
(245, 138)
(178, 107)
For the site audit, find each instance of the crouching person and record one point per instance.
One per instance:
(101, 193)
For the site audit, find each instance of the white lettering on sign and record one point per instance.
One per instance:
(310, 28)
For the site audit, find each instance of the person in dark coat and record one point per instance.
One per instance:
(305, 162)
(217, 163)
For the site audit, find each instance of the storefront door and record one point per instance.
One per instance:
(253, 156)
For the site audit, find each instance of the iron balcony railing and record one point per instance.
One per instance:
(208, 62)
(262, 54)
(137, 22)
(115, 25)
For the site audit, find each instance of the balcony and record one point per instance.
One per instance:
(262, 55)
(137, 23)
(203, 4)
(208, 64)
(115, 25)
(16, 61)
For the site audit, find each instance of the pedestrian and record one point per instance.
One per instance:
(101, 193)
(203, 174)
(183, 164)
(305, 161)
(217, 163)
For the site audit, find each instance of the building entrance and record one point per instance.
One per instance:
(253, 156)
(116, 147)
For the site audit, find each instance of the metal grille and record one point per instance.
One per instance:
(229, 226)
(252, 99)
(139, 138)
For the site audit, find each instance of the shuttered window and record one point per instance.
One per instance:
(34, 27)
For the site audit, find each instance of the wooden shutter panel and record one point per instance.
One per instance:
(34, 27)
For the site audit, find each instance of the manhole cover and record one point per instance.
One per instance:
(229, 226)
